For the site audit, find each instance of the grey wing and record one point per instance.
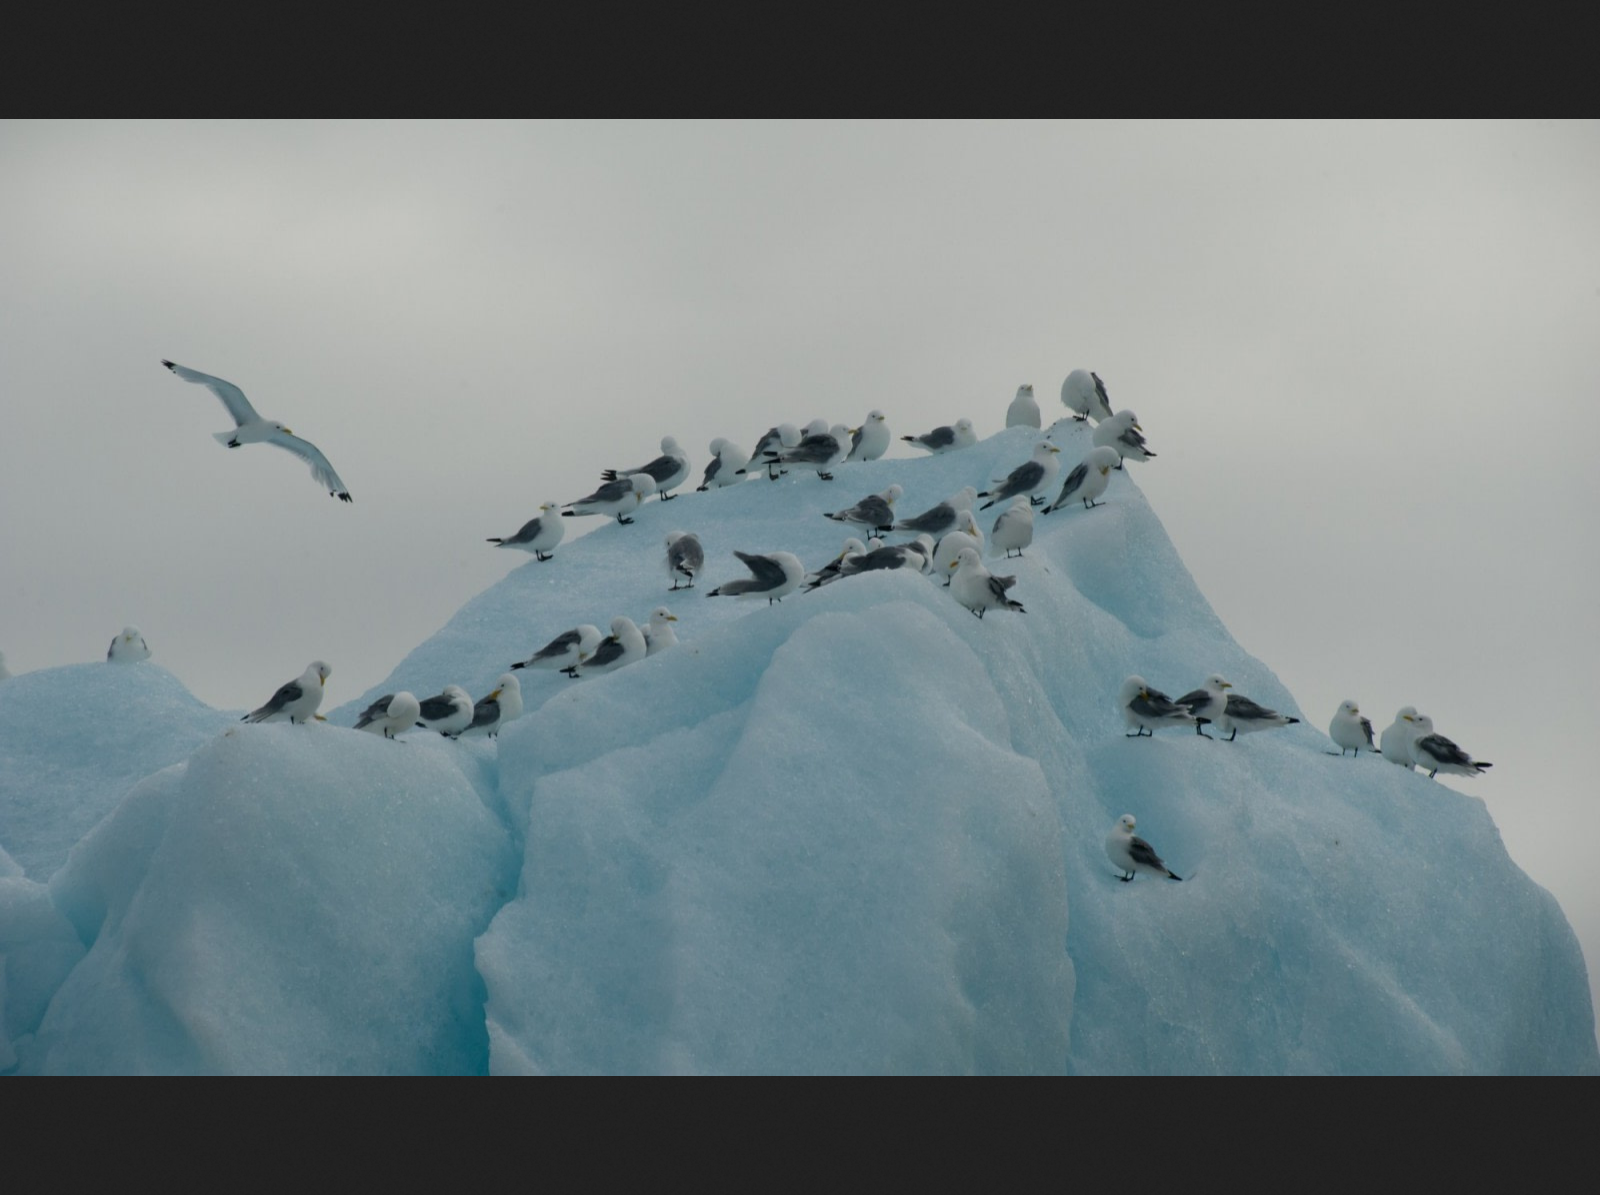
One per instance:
(312, 455)
(768, 572)
(485, 712)
(874, 510)
(772, 440)
(686, 554)
(1158, 704)
(612, 491)
(113, 646)
(813, 450)
(1444, 750)
(939, 437)
(1023, 477)
(559, 646)
(529, 531)
(1143, 852)
(1073, 481)
(610, 649)
(374, 711)
(1243, 707)
(1100, 391)
(232, 397)
(999, 585)
(1195, 698)
(928, 520)
(712, 470)
(1131, 438)
(855, 438)
(285, 694)
(438, 707)
(1366, 729)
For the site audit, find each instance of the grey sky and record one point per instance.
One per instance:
(1365, 354)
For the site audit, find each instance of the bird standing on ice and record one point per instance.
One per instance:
(390, 714)
(538, 535)
(128, 647)
(1084, 394)
(252, 429)
(871, 440)
(1396, 740)
(1013, 528)
(1122, 432)
(1132, 853)
(1434, 753)
(685, 558)
(976, 588)
(1147, 710)
(1088, 479)
(625, 645)
(1028, 478)
(566, 651)
(773, 576)
(658, 633)
(619, 498)
(1350, 730)
(945, 439)
(502, 705)
(449, 712)
(1024, 410)
(875, 512)
(298, 700)
(726, 466)
(666, 470)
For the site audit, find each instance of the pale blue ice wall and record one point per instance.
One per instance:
(858, 831)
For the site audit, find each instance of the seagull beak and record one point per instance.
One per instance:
(953, 563)
(495, 696)
(288, 431)
(672, 618)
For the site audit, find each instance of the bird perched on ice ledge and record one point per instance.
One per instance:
(1133, 854)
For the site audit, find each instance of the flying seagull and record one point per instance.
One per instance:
(252, 429)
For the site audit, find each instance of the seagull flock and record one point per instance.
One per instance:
(948, 541)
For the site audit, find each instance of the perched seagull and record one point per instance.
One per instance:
(919, 553)
(936, 520)
(667, 470)
(727, 465)
(252, 429)
(502, 705)
(833, 570)
(1122, 432)
(1084, 394)
(966, 534)
(1240, 713)
(1350, 730)
(538, 535)
(821, 450)
(976, 588)
(449, 712)
(875, 512)
(1207, 703)
(625, 645)
(1088, 480)
(297, 700)
(1132, 853)
(619, 498)
(871, 440)
(1395, 743)
(945, 439)
(128, 647)
(566, 651)
(774, 576)
(785, 435)
(1147, 710)
(1434, 753)
(685, 557)
(888, 556)
(390, 714)
(1023, 411)
(1013, 528)
(1027, 478)
(658, 632)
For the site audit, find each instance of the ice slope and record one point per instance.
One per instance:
(858, 831)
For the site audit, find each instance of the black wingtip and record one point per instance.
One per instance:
(345, 497)
(1170, 876)
(566, 514)
(168, 364)
(494, 540)
(523, 664)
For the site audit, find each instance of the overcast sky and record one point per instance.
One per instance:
(1365, 353)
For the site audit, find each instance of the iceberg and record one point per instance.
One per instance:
(859, 831)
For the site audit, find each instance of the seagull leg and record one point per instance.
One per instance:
(1232, 736)
(1035, 500)
(620, 519)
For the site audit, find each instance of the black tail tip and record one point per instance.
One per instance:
(524, 664)
(1170, 876)
(566, 514)
(495, 540)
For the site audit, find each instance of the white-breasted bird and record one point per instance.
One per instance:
(976, 588)
(658, 632)
(875, 512)
(503, 704)
(619, 498)
(1395, 742)
(448, 712)
(1013, 527)
(566, 651)
(625, 645)
(1032, 477)
(128, 647)
(1024, 410)
(253, 429)
(667, 470)
(945, 439)
(871, 440)
(1350, 730)
(1088, 479)
(390, 714)
(296, 701)
(538, 535)
(1434, 753)
(726, 466)
(773, 575)
(1133, 854)
(1084, 394)
(1122, 432)
(1148, 710)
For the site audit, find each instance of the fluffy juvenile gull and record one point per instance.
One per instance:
(685, 558)
(833, 570)
(538, 535)
(936, 520)
(128, 647)
(1207, 703)
(965, 534)
(1395, 742)
(502, 705)
(1434, 753)
(252, 429)
(1028, 478)
(619, 498)
(667, 470)
(785, 435)
(976, 588)
(1013, 527)
(1147, 710)
(821, 450)
(773, 576)
(1132, 853)
(390, 714)
(1350, 730)
(1088, 479)
(871, 440)
(1084, 394)
(875, 512)
(1122, 432)
(448, 712)
(945, 439)
(625, 645)
(297, 700)
(566, 651)
(658, 632)
(727, 465)
(1023, 411)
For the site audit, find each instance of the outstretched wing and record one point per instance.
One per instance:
(232, 397)
(312, 455)
(768, 572)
